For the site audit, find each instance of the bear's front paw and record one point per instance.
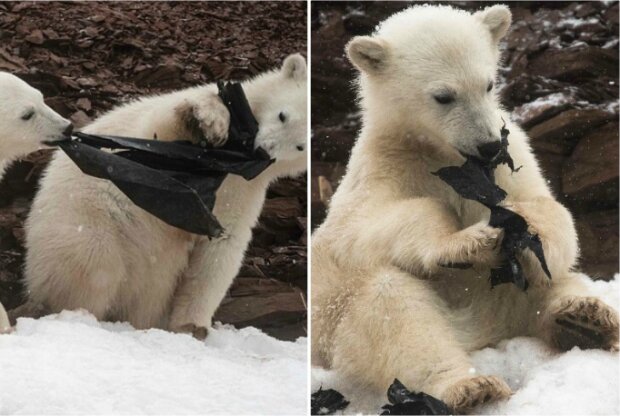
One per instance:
(198, 332)
(214, 121)
(478, 244)
(207, 120)
(471, 392)
(585, 322)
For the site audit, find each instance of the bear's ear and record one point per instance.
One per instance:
(368, 54)
(497, 18)
(294, 66)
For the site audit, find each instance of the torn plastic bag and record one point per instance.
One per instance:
(405, 402)
(516, 239)
(475, 180)
(327, 402)
(402, 402)
(175, 181)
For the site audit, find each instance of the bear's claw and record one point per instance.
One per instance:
(585, 322)
(198, 332)
(479, 244)
(471, 392)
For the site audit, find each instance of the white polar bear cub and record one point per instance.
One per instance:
(90, 247)
(26, 123)
(385, 304)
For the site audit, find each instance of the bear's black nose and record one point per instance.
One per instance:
(300, 147)
(68, 130)
(489, 150)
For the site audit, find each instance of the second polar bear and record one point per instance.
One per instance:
(383, 306)
(26, 123)
(90, 247)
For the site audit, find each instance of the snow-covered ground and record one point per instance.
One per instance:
(545, 383)
(71, 364)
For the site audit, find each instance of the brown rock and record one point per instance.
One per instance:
(612, 15)
(559, 134)
(591, 171)
(87, 82)
(282, 207)
(598, 240)
(288, 187)
(551, 165)
(286, 268)
(257, 302)
(84, 104)
(36, 37)
(167, 75)
(571, 63)
(529, 114)
(80, 119)
(11, 63)
(585, 9)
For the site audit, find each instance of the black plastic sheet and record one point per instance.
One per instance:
(405, 402)
(474, 180)
(175, 181)
(327, 402)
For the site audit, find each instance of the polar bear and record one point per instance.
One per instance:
(89, 247)
(383, 306)
(26, 124)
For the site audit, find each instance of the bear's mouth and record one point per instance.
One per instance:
(53, 142)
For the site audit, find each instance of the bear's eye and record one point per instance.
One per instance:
(490, 86)
(28, 115)
(444, 98)
(282, 117)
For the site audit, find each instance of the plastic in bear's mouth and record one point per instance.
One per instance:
(492, 154)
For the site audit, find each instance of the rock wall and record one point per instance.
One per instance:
(86, 57)
(559, 77)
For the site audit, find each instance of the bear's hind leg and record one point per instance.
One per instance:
(571, 318)
(397, 327)
(73, 270)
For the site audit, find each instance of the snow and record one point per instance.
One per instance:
(545, 382)
(71, 364)
(573, 23)
(560, 99)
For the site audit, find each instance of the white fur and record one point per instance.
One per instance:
(18, 137)
(90, 247)
(382, 306)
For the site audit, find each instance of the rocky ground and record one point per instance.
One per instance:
(88, 57)
(559, 77)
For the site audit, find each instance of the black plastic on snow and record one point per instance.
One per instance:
(326, 402)
(402, 402)
(474, 180)
(405, 402)
(175, 181)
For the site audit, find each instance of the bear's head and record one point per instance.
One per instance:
(26, 122)
(431, 70)
(279, 102)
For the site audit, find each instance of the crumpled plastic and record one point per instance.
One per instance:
(474, 180)
(327, 402)
(176, 181)
(405, 402)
